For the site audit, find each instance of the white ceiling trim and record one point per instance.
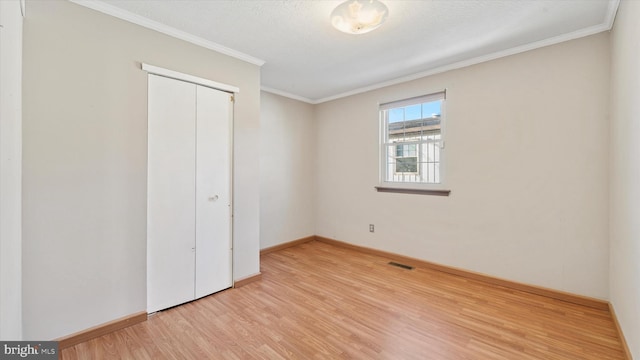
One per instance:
(612, 11)
(167, 30)
(480, 59)
(606, 25)
(288, 95)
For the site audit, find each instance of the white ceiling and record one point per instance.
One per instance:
(305, 58)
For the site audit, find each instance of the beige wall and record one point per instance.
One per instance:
(625, 172)
(10, 170)
(85, 148)
(287, 170)
(527, 152)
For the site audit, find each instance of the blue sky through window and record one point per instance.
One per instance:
(414, 112)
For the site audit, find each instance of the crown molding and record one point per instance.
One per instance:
(287, 95)
(165, 29)
(605, 26)
(612, 11)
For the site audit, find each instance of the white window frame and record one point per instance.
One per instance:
(383, 183)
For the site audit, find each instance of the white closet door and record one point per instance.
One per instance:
(213, 191)
(171, 193)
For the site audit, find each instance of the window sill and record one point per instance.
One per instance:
(413, 191)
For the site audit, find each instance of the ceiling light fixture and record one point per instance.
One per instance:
(359, 16)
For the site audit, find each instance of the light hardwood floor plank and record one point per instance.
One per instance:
(319, 301)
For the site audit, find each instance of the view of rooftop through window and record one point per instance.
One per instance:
(413, 140)
(415, 112)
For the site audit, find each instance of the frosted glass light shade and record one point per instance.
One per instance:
(359, 16)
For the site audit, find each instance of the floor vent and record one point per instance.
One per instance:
(401, 265)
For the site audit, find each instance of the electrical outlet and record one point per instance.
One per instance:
(371, 228)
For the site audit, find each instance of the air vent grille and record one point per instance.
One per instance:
(400, 265)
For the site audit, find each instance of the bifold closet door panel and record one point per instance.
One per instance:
(170, 193)
(213, 191)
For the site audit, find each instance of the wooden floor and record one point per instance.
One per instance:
(317, 301)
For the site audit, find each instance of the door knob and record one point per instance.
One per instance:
(213, 198)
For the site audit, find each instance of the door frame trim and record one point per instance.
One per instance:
(156, 70)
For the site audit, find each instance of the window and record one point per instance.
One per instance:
(412, 140)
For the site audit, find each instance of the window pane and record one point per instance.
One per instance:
(431, 109)
(407, 165)
(411, 151)
(413, 112)
(396, 115)
(412, 141)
